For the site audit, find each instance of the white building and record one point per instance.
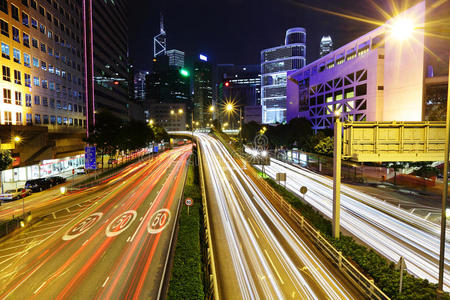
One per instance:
(377, 77)
(275, 63)
(176, 58)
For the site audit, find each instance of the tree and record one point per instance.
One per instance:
(325, 146)
(5, 159)
(250, 130)
(160, 134)
(107, 133)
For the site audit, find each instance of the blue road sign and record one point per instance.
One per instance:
(90, 161)
(155, 149)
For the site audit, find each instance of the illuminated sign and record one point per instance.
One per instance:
(203, 57)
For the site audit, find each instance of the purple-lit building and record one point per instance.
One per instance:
(376, 77)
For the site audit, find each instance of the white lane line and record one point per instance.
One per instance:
(106, 221)
(104, 283)
(85, 242)
(253, 228)
(128, 239)
(67, 209)
(273, 266)
(141, 219)
(37, 290)
(54, 216)
(79, 205)
(427, 216)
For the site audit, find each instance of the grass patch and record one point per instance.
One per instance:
(186, 281)
(373, 264)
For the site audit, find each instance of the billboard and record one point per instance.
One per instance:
(90, 160)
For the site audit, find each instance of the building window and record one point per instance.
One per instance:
(52, 103)
(15, 12)
(18, 98)
(25, 2)
(33, 4)
(45, 119)
(17, 77)
(35, 62)
(51, 69)
(28, 100)
(44, 65)
(41, 10)
(16, 54)
(53, 120)
(51, 85)
(26, 39)
(4, 27)
(361, 90)
(44, 101)
(44, 83)
(65, 121)
(37, 100)
(27, 80)
(6, 96)
(37, 118)
(59, 120)
(8, 120)
(43, 48)
(4, 6)
(6, 73)
(26, 60)
(70, 122)
(58, 104)
(49, 34)
(18, 118)
(42, 28)
(15, 33)
(25, 20)
(34, 42)
(34, 23)
(36, 81)
(29, 117)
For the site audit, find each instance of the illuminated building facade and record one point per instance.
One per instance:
(275, 63)
(377, 77)
(176, 58)
(326, 45)
(42, 81)
(202, 90)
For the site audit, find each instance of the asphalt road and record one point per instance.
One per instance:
(388, 229)
(257, 253)
(106, 242)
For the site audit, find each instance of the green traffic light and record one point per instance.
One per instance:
(184, 72)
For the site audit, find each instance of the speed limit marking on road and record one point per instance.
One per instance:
(82, 226)
(120, 223)
(159, 220)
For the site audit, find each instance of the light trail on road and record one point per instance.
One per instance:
(92, 254)
(387, 229)
(258, 254)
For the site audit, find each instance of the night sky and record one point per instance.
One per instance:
(235, 31)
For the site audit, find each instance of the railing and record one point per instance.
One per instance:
(213, 291)
(364, 284)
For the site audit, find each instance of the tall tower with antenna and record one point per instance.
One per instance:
(159, 41)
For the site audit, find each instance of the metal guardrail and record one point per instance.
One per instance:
(213, 287)
(364, 284)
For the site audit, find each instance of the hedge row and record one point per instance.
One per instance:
(373, 264)
(186, 280)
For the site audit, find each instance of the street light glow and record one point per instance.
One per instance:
(184, 72)
(172, 112)
(264, 153)
(229, 107)
(151, 122)
(402, 29)
(17, 138)
(180, 111)
(211, 108)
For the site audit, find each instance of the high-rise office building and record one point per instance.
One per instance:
(326, 45)
(176, 58)
(140, 85)
(160, 41)
(275, 62)
(202, 89)
(110, 57)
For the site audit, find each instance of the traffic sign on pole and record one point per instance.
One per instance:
(189, 202)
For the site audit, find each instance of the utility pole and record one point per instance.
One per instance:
(337, 156)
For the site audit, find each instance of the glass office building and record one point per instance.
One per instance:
(275, 63)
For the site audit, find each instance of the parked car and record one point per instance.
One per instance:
(37, 185)
(15, 194)
(55, 180)
(80, 170)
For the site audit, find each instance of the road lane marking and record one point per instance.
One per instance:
(68, 210)
(85, 242)
(106, 281)
(54, 216)
(37, 290)
(253, 228)
(128, 239)
(273, 266)
(106, 221)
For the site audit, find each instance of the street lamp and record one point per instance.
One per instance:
(17, 139)
(151, 122)
(212, 108)
(172, 112)
(180, 111)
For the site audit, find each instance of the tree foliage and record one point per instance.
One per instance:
(325, 146)
(5, 159)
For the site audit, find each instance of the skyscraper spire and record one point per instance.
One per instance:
(159, 41)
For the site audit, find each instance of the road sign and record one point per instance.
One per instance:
(303, 190)
(120, 223)
(189, 202)
(394, 141)
(90, 161)
(281, 177)
(155, 149)
(82, 226)
(159, 220)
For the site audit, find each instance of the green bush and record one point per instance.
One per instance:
(186, 280)
(373, 264)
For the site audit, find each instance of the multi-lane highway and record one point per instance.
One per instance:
(257, 253)
(108, 242)
(388, 229)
